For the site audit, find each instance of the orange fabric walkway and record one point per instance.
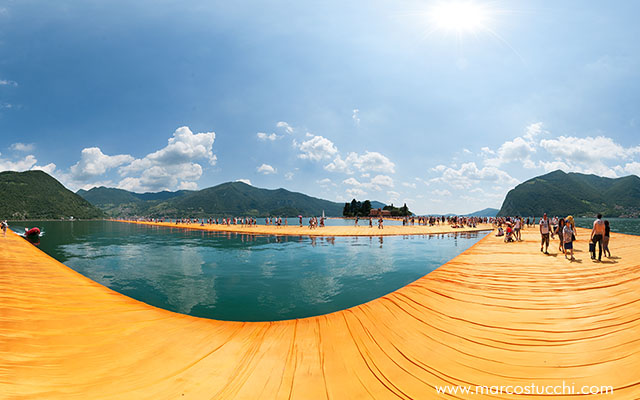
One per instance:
(295, 230)
(498, 314)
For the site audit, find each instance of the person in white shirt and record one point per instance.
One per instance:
(545, 231)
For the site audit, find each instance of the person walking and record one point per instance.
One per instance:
(597, 235)
(545, 231)
(567, 238)
(605, 240)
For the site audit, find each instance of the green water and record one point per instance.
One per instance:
(244, 277)
(630, 226)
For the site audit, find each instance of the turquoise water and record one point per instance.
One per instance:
(629, 226)
(244, 277)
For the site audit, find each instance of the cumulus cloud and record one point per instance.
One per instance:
(247, 181)
(265, 136)
(6, 82)
(411, 185)
(24, 147)
(325, 182)
(316, 148)
(356, 193)
(22, 164)
(469, 174)
(266, 169)
(163, 177)
(93, 162)
(376, 183)
(288, 176)
(285, 127)
(369, 161)
(49, 168)
(441, 192)
(587, 149)
(174, 166)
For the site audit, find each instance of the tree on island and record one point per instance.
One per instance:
(398, 212)
(363, 209)
(357, 209)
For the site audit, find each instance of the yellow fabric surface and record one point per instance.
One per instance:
(498, 314)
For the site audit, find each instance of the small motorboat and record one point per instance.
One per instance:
(32, 233)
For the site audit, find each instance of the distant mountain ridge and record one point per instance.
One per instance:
(487, 212)
(227, 199)
(36, 195)
(560, 193)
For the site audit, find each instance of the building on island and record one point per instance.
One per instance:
(378, 212)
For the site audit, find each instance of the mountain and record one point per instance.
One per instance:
(560, 193)
(36, 195)
(487, 212)
(377, 204)
(227, 199)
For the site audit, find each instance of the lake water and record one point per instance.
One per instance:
(244, 277)
(630, 226)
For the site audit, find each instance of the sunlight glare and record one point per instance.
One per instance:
(459, 16)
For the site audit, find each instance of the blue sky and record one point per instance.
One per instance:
(373, 99)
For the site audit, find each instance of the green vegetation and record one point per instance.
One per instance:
(356, 208)
(362, 209)
(398, 212)
(36, 195)
(559, 193)
(227, 199)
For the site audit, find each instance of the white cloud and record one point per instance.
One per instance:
(25, 147)
(288, 176)
(94, 163)
(325, 182)
(469, 174)
(376, 183)
(182, 148)
(443, 192)
(247, 181)
(49, 168)
(356, 116)
(352, 182)
(587, 149)
(6, 82)
(19, 165)
(266, 169)
(466, 151)
(265, 136)
(316, 148)
(439, 168)
(356, 193)
(188, 185)
(173, 166)
(369, 161)
(632, 168)
(285, 126)
(158, 178)
(409, 185)
(381, 180)
(393, 196)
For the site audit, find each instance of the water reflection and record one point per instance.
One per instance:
(238, 276)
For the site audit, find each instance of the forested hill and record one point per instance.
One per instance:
(36, 195)
(560, 193)
(227, 199)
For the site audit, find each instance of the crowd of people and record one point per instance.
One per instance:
(563, 228)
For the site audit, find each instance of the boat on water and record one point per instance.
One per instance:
(32, 233)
